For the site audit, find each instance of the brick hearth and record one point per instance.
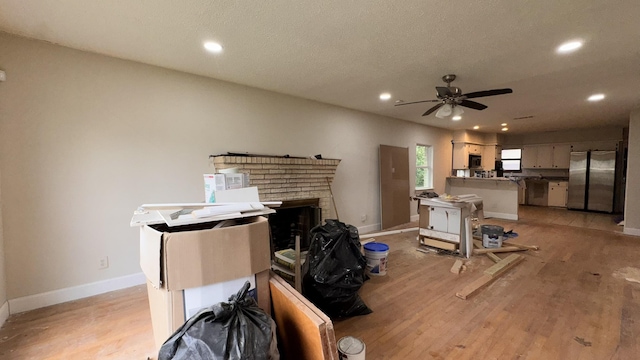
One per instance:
(281, 179)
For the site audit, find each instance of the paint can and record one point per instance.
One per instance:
(351, 348)
(491, 236)
(376, 254)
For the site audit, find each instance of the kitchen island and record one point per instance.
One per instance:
(499, 195)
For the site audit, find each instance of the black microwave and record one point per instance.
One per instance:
(475, 162)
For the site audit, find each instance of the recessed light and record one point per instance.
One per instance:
(569, 46)
(476, 127)
(456, 118)
(213, 47)
(385, 96)
(596, 97)
(504, 129)
(503, 124)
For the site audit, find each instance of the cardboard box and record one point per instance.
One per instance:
(193, 256)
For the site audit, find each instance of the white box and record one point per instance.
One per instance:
(213, 183)
(201, 297)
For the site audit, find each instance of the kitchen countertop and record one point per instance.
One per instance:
(482, 179)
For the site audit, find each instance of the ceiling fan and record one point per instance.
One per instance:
(451, 97)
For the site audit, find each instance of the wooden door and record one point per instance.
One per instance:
(394, 186)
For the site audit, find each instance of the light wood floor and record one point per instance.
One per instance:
(578, 297)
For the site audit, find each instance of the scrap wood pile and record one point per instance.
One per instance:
(501, 266)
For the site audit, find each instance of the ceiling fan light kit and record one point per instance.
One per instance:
(451, 99)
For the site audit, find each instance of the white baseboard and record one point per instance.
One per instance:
(631, 231)
(415, 217)
(488, 214)
(4, 313)
(368, 228)
(37, 301)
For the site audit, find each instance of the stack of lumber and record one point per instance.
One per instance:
(304, 331)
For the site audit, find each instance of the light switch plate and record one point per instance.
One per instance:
(3, 75)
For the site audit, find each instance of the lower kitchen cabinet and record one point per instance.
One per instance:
(558, 194)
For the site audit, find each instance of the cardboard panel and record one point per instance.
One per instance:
(394, 186)
(196, 258)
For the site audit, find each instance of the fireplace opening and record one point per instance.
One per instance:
(291, 218)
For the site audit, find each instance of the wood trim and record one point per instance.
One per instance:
(440, 235)
(498, 250)
(438, 244)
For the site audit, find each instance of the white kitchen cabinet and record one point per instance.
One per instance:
(557, 194)
(461, 152)
(475, 149)
(489, 156)
(538, 157)
(561, 156)
(460, 156)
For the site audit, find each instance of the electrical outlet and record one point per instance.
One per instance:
(363, 217)
(104, 263)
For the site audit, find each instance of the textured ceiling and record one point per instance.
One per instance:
(347, 52)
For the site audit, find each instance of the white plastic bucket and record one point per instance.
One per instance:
(351, 348)
(376, 254)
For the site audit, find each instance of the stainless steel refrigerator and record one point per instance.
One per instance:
(591, 180)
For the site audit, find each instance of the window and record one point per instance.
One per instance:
(511, 159)
(424, 169)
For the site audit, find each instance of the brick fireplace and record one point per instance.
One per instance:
(286, 178)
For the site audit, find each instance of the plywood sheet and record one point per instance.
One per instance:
(300, 330)
(330, 348)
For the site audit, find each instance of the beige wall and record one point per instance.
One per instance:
(632, 193)
(85, 139)
(3, 281)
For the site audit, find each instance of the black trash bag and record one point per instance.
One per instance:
(238, 329)
(334, 270)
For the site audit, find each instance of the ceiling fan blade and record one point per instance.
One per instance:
(433, 109)
(443, 91)
(478, 94)
(416, 102)
(472, 105)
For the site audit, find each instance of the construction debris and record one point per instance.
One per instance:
(457, 266)
(489, 276)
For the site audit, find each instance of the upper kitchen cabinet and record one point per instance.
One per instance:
(537, 157)
(461, 152)
(490, 154)
(475, 149)
(546, 156)
(561, 156)
(460, 156)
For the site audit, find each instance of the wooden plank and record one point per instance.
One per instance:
(390, 232)
(479, 284)
(484, 280)
(530, 247)
(457, 266)
(332, 348)
(300, 331)
(439, 244)
(298, 266)
(504, 265)
(495, 258)
(498, 250)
